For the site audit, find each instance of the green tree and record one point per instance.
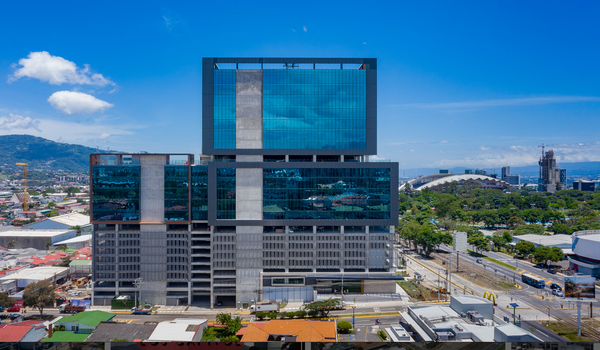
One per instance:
(272, 315)
(52, 214)
(78, 229)
(322, 307)
(479, 242)
(428, 239)
(561, 229)
(410, 232)
(344, 327)
(261, 315)
(507, 237)
(525, 248)
(515, 221)
(5, 300)
(543, 254)
(532, 229)
(51, 205)
(39, 294)
(11, 244)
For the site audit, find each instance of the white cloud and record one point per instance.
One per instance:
(167, 22)
(19, 122)
(293, 30)
(71, 102)
(444, 141)
(483, 148)
(364, 43)
(412, 150)
(56, 71)
(507, 102)
(528, 155)
(304, 28)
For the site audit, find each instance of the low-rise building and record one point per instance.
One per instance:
(63, 222)
(585, 258)
(22, 331)
(32, 238)
(26, 276)
(178, 330)
(465, 318)
(108, 331)
(584, 185)
(84, 322)
(85, 240)
(561, 241)
(290, 331)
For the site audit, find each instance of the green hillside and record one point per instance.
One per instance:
(42, 154)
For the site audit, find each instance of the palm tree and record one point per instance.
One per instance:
(11, 244)
(77, 229)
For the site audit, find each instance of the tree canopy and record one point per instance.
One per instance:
(38, 295)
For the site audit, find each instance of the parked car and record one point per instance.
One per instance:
(13, 309)
(479, 261)
(552, 271)
(1, 308)
(558, 293)
(554, 286)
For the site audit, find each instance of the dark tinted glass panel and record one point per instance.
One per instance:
(200, 192)
(176, 193)
(226, 193)
(314, 109)
(224, 109)
(326, 194)
(116, 193)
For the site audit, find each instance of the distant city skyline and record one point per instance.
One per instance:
(468, 84)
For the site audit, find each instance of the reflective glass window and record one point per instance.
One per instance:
(314, 109)
(176, 192)
(226, 193)
(200, 192)
(326, 194)
(116, 193)
(224, 109)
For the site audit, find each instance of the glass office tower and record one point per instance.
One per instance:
(283, 203)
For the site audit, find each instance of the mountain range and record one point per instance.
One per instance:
(46, 155)
(42, 154)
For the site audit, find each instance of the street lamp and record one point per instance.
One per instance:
(353, 307)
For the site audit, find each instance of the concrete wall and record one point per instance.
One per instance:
(152, 188)
(248, 109)
(379, 286)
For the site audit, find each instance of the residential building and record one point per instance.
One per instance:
(178, 330)
(28, 331)
(584, 185)
(84, 322)
(283, 196)
(289, 331)
(112, 330)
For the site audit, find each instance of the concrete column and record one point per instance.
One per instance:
(314, 158)
(189, 293)
(248, 109)
(287, 158)
(152, 188)
(248, 261)
(342, 158)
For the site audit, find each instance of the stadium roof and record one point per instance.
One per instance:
(463, 178)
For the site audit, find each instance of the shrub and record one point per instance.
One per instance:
(312, 313)
(382, 335)
(261, 315)
(272, 315)
(301, 314)
(289, 314)
(344, 327)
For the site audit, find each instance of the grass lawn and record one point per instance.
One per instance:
(477, 255)
(568, 331)
(415, 290)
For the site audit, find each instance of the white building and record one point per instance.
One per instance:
(26, 276)
(179, 330)
(586, 257)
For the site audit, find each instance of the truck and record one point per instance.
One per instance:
(69, 309)
(264, 307)
(140, 311)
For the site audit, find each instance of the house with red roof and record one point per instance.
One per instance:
(22, 332)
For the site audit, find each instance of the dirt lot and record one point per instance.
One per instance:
(485, 277)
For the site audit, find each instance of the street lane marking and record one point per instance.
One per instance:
(366, 332)
(522, 272)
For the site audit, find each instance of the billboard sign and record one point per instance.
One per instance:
(459, 241)
(580, 287)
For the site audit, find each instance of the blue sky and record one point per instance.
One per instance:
(476, 84)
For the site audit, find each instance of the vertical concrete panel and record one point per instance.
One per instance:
(153, 263)
(152, 188)
(249, 194)
(248, 261)
(248, 109)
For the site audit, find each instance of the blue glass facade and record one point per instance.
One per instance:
(176, 193)
(116, 193)
(326, 194)
(224, 109)
(199, 192)
(226, 193)
(314, 109)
